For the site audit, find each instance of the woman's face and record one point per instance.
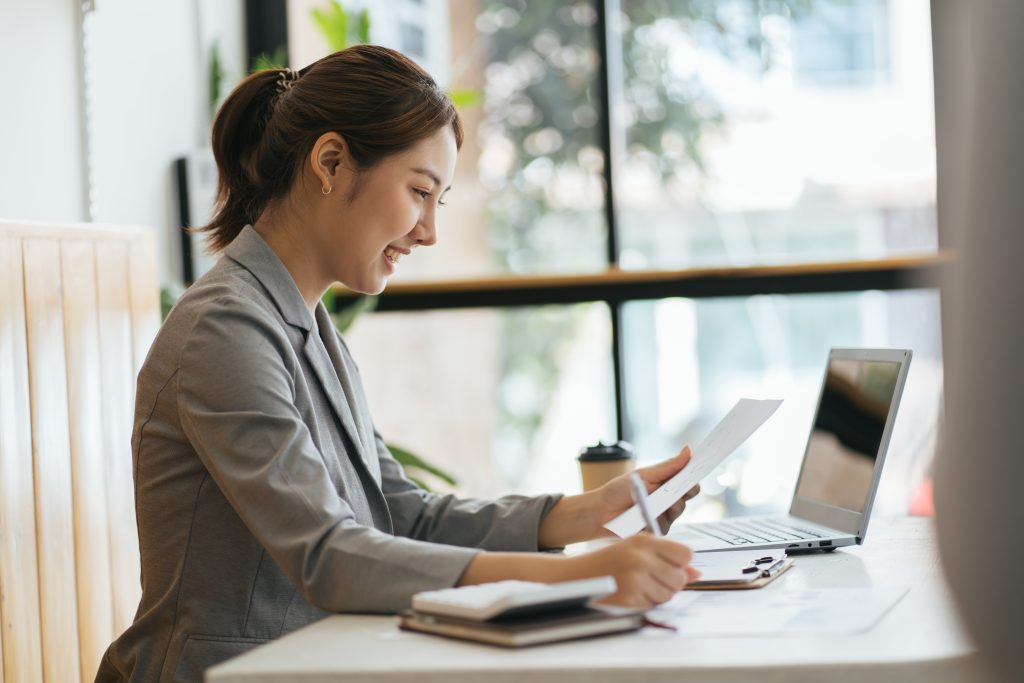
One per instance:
(373, 219)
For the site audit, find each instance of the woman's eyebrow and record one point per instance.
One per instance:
(431, 175)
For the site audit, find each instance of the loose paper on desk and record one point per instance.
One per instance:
(742, 421)
(808, 611)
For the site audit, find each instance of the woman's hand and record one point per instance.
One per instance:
(582, 517)
(648, 570)
(614, 498)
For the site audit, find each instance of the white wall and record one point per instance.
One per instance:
(41, 155)
(146, 96)
(147, 107)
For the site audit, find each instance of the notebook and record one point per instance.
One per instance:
(519, 613)
(842, 465)
(533, 629)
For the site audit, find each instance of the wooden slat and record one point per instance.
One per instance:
(88, 468)
(144, 285)
(115, 331)
(19, 581)
(51, 459)
(144, 300)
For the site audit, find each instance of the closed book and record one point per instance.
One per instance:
(532, 629)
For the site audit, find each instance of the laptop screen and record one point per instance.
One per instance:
(839, 466)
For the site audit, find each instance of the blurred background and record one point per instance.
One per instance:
(636, 136)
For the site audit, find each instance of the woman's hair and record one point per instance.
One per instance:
(380, 101)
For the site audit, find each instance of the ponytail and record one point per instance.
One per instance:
(380, 101)
(237, 131)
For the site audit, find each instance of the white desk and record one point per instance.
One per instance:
(919, 640)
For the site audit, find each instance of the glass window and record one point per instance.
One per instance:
(736, 152)
(755, 132)
(528, 195)
(842, 44)
(502, 398)
(688, 361)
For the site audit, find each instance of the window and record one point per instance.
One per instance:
(843, 44)
(687, 361)
(736, 156)
(504, 398)
(663, 137)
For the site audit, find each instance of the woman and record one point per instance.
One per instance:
(265, 498)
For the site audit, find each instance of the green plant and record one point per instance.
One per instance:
(341, 29)
(278, 59)
(216, 77)
(415, 466)
(337, 29)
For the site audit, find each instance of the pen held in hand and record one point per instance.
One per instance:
(639, 491)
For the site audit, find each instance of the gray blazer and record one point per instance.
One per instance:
(265, 498)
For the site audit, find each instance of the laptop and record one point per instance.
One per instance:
(842, 464)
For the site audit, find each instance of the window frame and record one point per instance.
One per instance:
(615, 286)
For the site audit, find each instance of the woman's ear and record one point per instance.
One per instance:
(329, 157)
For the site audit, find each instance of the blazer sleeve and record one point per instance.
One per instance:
(236, 401)
(509, 523)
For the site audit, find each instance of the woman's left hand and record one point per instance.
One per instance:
(614, 498)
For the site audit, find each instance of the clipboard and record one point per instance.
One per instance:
(738, 570)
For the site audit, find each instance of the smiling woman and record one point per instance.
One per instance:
(265, 496)
(378, 213)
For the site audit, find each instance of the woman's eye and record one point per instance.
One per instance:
(422, 193)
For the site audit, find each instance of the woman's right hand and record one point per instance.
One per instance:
(648, 570)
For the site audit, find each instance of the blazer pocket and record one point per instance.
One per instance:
(201, 652)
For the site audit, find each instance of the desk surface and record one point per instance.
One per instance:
(919, 640)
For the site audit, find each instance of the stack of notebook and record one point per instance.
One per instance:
(520, 613)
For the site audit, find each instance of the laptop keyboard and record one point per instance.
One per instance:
(737, 532)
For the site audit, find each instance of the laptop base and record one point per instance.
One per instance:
(746, 533)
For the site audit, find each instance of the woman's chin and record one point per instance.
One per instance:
(371, 288)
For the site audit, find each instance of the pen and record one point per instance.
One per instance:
(774, 569)
(639, 492)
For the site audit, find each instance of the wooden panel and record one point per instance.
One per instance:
(51, 459)
(118, 379)
(79, 231)
(19, 582)
(145, 296)
(88, 466)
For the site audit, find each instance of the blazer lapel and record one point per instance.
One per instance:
(341, 402)
(328, 376)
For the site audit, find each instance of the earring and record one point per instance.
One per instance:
(327, 190)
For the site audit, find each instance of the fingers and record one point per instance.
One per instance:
(664, 579)
(658, 473)
(672, 579)
(666, 518)
(675, 553)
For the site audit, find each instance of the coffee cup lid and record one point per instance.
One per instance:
(620, 450)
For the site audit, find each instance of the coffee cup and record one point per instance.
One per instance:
(604, 462)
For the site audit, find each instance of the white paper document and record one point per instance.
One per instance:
(767, 612)
(742, 421)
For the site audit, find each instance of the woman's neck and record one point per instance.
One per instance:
(295, 252)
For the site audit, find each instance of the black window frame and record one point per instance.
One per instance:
(614, 287)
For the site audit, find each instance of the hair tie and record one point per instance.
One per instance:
(286, 79)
